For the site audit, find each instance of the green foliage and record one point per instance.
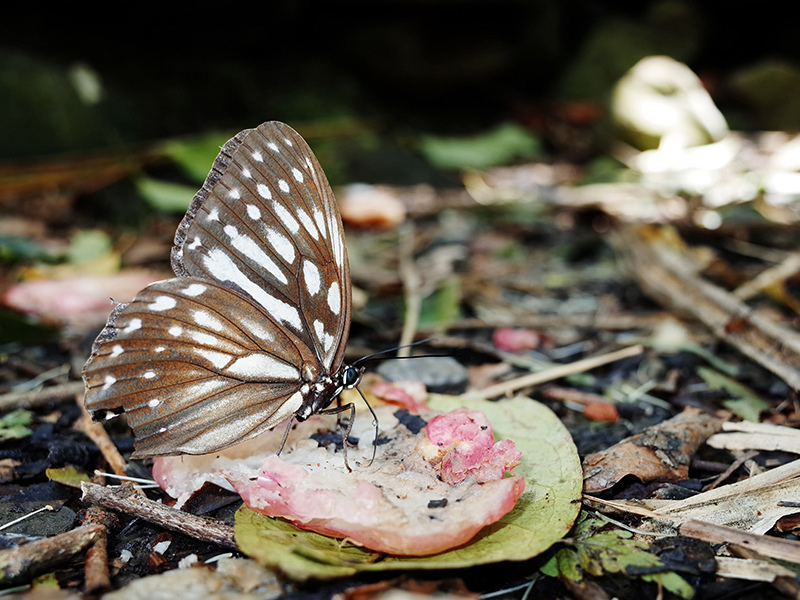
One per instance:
(164, 195)
(88, 245)
(442, 307)
(195, 156)
(597, 551)
(14, 425)
(743, 402)
(497, 147)
(14, 249)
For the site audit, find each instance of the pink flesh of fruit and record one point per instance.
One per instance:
(422, 495)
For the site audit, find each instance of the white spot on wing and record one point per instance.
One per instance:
(162, 303)
(308, 223)
(257, 156)
(283, 247)
(320, 220)
(297, 174)
(283, 185)
(246, 173)
(286, 217)
(204, 319)
(263, 191)
(160, 349)
(194, 290)
(253, 212)
(205, 339)
(273, 146)
(218, 359)
(326, 339)
(175, 330)
(288, 142)
(213, 214)
(248, 246)
(235, 194)
(154, 402)
(196, 243)
(149, 375)
(257, 329)
(108, 381)
(262, 367)
(133, 325)
(116, 351)
(222, 267)
(335, 298)
(312, 277)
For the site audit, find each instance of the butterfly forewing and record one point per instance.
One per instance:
(260, 309)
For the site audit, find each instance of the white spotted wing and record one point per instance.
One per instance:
(253, 328)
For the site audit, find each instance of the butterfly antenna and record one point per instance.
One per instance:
(372, 356)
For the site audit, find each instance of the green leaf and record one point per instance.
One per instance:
(164, 195)
(195, 156)
(14, 425)
(544, 513)
(70, 476)
(672, 582)
(496, 147)
(596, 550)
(88, 245)
(442, 307)
(744, 402)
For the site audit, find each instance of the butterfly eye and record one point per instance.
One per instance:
(352, 376)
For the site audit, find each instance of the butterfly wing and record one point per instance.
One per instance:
(266, 223)
(260, 307)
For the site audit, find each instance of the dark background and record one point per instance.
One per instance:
(393, 67)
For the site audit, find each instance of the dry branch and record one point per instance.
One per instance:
(127, 500)
(673, 279)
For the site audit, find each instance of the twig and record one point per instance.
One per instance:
(97, 433)
(34, 398)
(579, 366)
(411, 288)
(96, 568)
(672, 278)
(125, 499)
(773, 547)
(604, 322)
(28, 560)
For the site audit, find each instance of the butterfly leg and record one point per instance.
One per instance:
(335, 411)
(285, 435)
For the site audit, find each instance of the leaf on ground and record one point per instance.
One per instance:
(544, 513)
(497, 147)
(14, 425)
(744, 403)
(70, 476)
(597, 551)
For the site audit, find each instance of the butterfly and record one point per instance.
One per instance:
(253, 327)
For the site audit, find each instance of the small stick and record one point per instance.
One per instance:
(97, 433)
(579, 366)
(40, 556)
(410, 277)
(125, 499)
(34, 398)
(96, 568)
(788, 550)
